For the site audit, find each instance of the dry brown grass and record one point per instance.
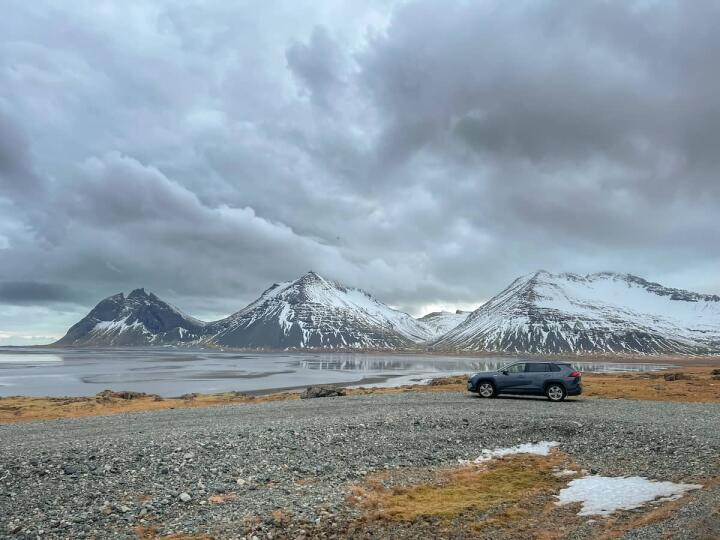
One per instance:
(20, 408)
(701, 386)
(453, 492)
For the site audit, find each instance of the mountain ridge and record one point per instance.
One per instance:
(604, 312)
(538, 313)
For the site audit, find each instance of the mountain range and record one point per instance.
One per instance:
(539, 313)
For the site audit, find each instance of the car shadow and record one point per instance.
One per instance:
(571, 399)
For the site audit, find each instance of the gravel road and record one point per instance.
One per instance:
(104, 476)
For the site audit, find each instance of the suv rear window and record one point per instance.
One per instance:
(536, 367)
(554, 367)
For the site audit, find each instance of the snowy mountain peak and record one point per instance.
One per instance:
(139, 319)
(315, 312)
(603, 312)
(311, 277)
(631, 280)
(139, 293)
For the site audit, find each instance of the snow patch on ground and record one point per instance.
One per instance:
(541, 448)
(603, 495)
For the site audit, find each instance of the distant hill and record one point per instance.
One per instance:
(441, 322)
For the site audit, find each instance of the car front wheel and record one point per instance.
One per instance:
(486, 390)
(555, 392)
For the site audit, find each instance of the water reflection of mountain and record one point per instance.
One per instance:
(374, 364)
(403, 364)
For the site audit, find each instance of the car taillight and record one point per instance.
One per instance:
(575, 374)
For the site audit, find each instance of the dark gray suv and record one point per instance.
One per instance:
(556, 380)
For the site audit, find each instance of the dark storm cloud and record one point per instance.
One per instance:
(16, 175)
(28, 292)
(581, 119)
(551, 82)
(427, 151)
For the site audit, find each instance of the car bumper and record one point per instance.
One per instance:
(574, 390)
(471, 386)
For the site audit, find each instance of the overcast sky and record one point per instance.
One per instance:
(426, 151)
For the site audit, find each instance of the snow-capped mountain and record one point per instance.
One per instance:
(314, 312)
(605, 312)
(537, 313)
(441, 322)
(139, 319)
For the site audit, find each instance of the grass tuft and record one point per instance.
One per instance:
(494, 486)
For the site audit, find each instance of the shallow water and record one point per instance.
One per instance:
(173, 372)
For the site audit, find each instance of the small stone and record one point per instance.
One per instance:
(322, 391)
(184, 497)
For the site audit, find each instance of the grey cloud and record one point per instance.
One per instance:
(581, 121)
(426, 151)
(17, 178)
(552, 83)
(29, 292)
(318, 66)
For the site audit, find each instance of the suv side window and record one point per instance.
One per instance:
(536, 367)
(515, 368)
(554, 367)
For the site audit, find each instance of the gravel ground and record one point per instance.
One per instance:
(104, 476)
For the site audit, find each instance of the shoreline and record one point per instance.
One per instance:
(689, 383)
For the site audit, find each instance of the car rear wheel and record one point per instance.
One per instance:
(486, 389)
(555, 392)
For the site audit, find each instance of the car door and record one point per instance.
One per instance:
(512, 378)
(536, 373)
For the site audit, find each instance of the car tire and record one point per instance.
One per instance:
(486, 389)
(555, 392)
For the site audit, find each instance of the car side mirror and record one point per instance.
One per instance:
(504, 372)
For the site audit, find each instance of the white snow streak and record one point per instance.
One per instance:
(541, 448)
